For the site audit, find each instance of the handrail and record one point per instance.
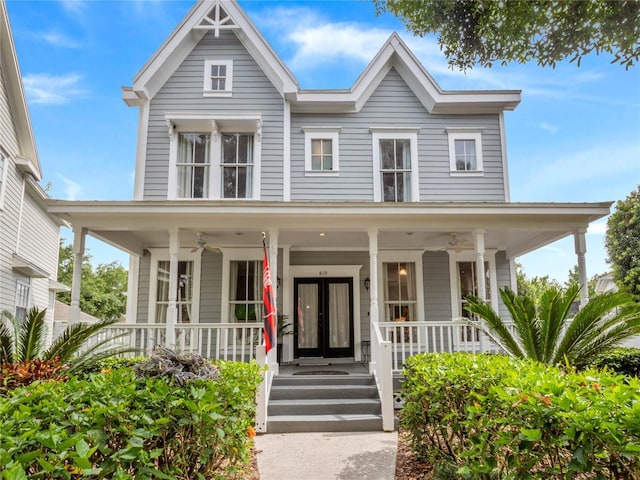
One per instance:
(380, 367)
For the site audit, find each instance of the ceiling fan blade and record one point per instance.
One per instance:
(195, 249)
(212, 248)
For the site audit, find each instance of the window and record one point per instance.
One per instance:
(184, 294)
(218, 78)
(400, 299)
(321, 151)
(193, 164)
(468, 279)
(237, 165)
(22, 300)
(465, 151)
(395, 165)
(245, 291)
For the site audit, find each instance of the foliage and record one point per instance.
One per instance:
(491, 416)
(547, 334)
(574, 279)
(625, 361)
(77, 347)
(103, 290)
(19, 374)
(534, 286)
(623, 243)
(116, 426)
(176, 367)
(548, 31)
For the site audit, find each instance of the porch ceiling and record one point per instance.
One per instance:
(515, 227)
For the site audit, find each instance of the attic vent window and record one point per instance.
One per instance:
(218, 78)
(217, 19)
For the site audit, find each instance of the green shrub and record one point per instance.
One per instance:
(621, 360)
(497, 417)
(113, 425)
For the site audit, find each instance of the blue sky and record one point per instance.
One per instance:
(575, 137)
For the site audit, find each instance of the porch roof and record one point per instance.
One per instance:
(517, 228)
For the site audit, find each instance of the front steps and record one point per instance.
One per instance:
(323, 403)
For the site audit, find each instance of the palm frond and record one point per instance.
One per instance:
(6, 341)
(525, 324)
(73, 338)
(553, 316)
(13, 328)
(493, 326)
(31, 334)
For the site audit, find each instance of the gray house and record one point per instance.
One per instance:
(384, 204)
(29, 235)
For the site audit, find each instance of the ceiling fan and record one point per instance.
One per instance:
(457, 244)
(201, 244)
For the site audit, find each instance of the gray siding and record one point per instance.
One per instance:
(210, 287)
(144, 276)
(252, 93)
(394, 104)
(437, 292)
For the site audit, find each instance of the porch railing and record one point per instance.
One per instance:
(380, 368)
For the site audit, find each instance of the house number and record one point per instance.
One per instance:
(322, 273)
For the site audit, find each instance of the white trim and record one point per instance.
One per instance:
(470, 256)
(286, 152)
(398, 133)
(333, 271)
(229, 255)
(228, 84)
(465, 134)
(406, 256)
(132, 289)
(141, 151)
(3, 177)
(322, 133)
(505, 163)
(184, 255)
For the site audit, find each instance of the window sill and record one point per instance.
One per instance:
(470, 173)
(328, 173)
(217, 94)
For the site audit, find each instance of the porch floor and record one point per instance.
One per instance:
(301, 365)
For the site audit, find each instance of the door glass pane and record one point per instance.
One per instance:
(308, 316)
(339, 315)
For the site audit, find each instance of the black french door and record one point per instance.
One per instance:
(323, 319)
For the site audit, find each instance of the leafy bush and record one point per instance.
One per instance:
(117, 426)
(621, 360)
(499, 417)
(19, 374)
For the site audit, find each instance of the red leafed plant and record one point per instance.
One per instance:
(19, 374)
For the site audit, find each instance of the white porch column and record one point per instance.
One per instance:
(172, 309)
(79, 235)
(272, 356)
(132, 289)
(480, 271)
(374, 312)
(580, 240)
(287, 302)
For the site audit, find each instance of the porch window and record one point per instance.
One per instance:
(22, 300)
(184, 294)
(237, 165)
(193, 165)
(468, 278)
(245, 292)
(400, 299)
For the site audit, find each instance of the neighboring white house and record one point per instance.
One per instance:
(29, 235)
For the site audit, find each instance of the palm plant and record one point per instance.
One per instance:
(77, 345)
(546, 333)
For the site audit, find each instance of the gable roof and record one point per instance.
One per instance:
(28, 155)
(215, 15)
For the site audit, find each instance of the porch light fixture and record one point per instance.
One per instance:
(367, 283)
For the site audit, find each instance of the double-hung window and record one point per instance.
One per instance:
(22, 300)
(321, 151)
(465, 151)
(395, 165)
(184, 292)
(218, 78)
(400, 296)
(245, 290)
(193, 164)
(237, 165)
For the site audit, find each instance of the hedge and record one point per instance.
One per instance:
(113, 425)
(620, 360)
(493, 417)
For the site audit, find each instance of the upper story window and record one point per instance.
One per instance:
(237, 165)
(465, 151)
(395, 165)
(218, 78)
(321, 151)
(193, 164)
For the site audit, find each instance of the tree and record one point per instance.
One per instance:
(548, 31)
(21, 340)
(103, 290)
(574, 279)
(547, 334)
(535, 286)
(623, 243)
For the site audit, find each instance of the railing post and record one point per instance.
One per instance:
(386, 395)
(262, 397)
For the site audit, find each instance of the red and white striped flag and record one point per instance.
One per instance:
(269, 314)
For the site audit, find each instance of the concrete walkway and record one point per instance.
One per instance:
(327, 456)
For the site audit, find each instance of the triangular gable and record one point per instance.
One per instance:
(205, 16)
(17, 100)
(395, 54)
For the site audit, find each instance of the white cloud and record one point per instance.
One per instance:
(548, 127)
(47, 89)
(73, 6)
(58, 39)
(72, 190)
(598, 228)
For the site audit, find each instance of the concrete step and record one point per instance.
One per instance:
(324, 423)
(290, 392)
(336, 406)
(358, 379)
